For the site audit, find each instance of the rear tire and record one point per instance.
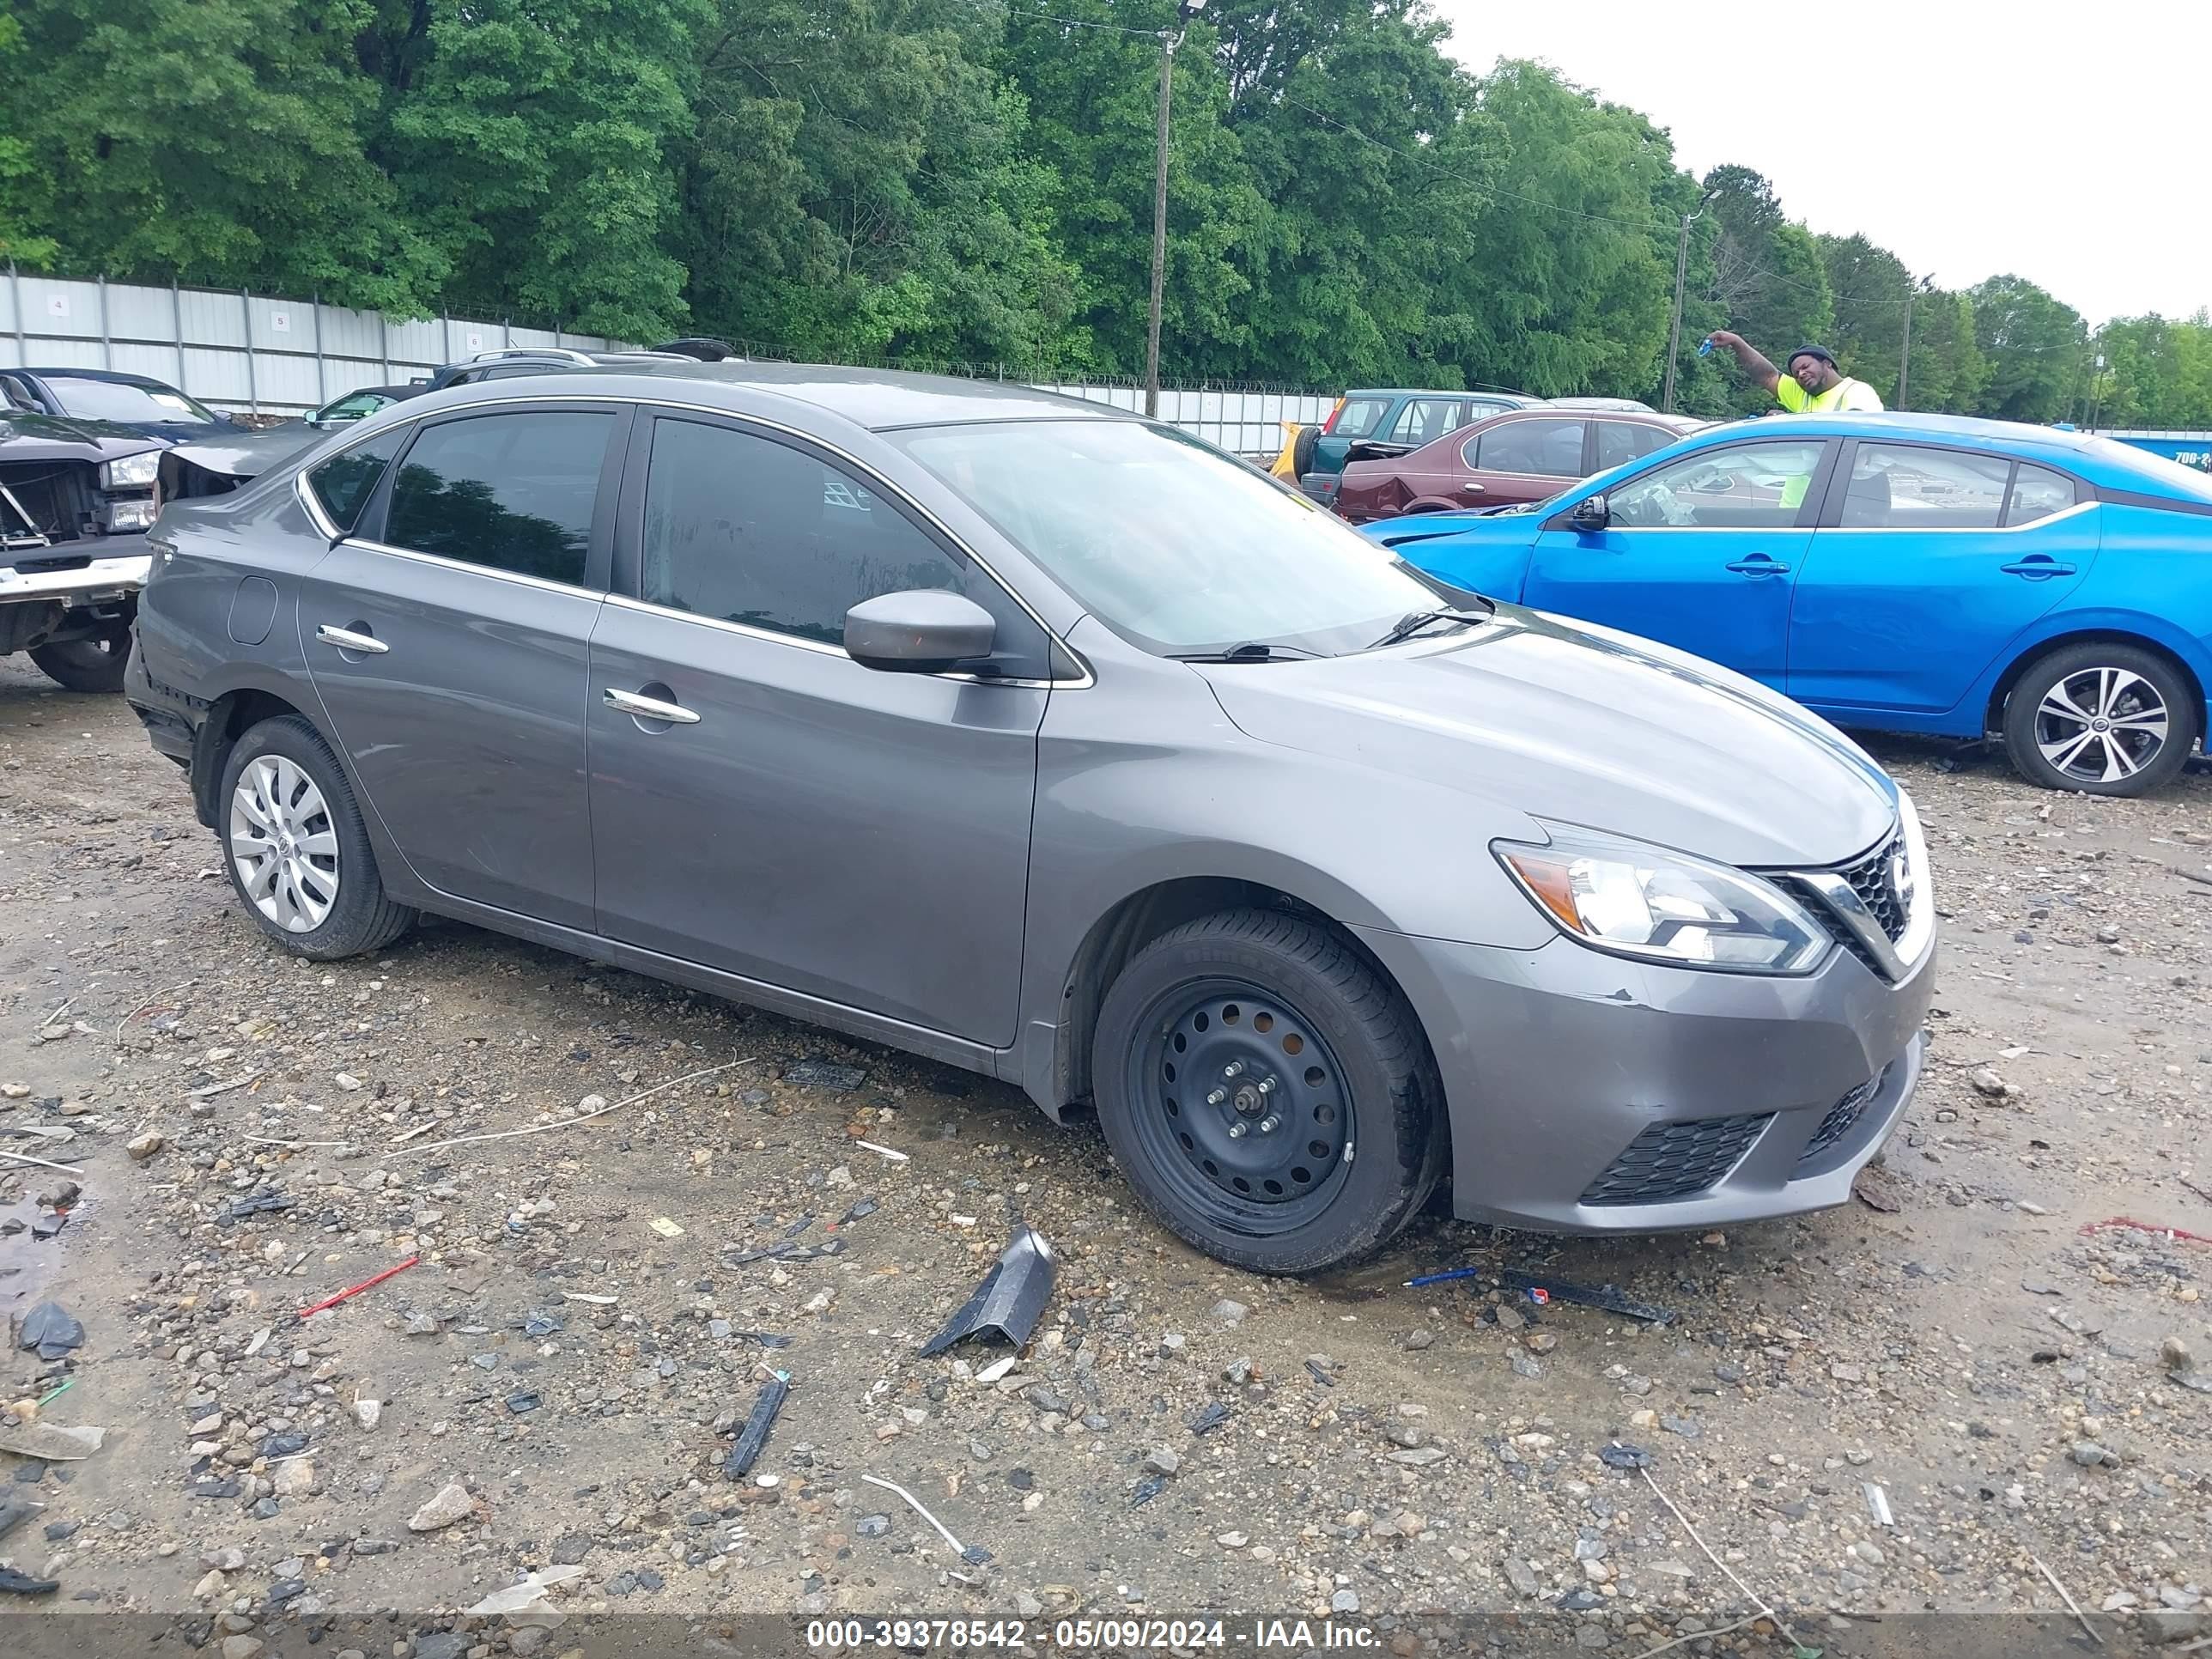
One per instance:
(296, 848)
(1268, 1006)
(92, 664)
(2102, 719)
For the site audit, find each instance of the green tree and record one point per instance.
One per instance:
(1868, 287)
(1948, 371)
(23, 187)
(858, 184)
(1767, 280)
(534, 143)
(218, 143)
(2033, 346)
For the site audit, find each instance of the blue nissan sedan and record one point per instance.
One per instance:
(1901, 572)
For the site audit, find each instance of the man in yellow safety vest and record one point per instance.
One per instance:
(1813, 385)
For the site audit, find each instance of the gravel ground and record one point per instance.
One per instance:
(553, 1384)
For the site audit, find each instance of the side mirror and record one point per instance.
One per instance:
(922, 631)
(1592, 512)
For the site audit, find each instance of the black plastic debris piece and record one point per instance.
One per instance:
(13, 1511)
(799, 1226)
(13, 1583)
(47, 1223)
(1320, 1375)
(284, 1445)
(1148, 1489)
(539, 1323)
(860, 1211)
(1617, 1455)
(1579, 1600)
(1607, 1298)
(752, 1439)
(739, 1258)
(1010, 1298)
(224, 1486)
(766, 1338)
(49, 1331)
(523, 1399)
(262, 1203)
(821, 1074)
(1210, 1419)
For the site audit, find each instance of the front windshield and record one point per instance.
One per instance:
(1172, 546)
(122, 400)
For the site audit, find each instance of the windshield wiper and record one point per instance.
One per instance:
(1414, 621)
(1250, 651)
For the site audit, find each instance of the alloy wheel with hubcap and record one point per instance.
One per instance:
(284, 844)
(2104, 717)
(2101, 725)
(1252, 1121)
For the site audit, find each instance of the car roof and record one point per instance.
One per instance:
(1934, 429)
(880, 400)
(1490, 393)
(71, 372)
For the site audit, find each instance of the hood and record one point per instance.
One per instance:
(1583, 726)
(27, 437)
(246, 452)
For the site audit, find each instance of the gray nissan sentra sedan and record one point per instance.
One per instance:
(1032, 737)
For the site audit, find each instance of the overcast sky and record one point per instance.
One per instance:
(2067, 144)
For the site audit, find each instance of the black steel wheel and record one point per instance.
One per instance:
(1269, 1095)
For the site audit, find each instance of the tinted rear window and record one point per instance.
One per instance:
(343, 483)
(511, 492)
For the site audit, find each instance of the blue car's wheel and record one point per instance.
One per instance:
(2103, 718)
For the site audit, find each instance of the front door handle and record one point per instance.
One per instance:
(2036, 565)
(650, 708)
(346, 639)
(1759, 565)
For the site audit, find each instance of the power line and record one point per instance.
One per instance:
(1081, 23)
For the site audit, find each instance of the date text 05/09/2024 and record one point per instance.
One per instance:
(1087, 1634)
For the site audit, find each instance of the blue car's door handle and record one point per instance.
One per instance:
(2037, 565)
(1759, 565)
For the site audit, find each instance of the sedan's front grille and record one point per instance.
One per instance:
(1868, 878)
(1841, 1118)
(1671, 1161)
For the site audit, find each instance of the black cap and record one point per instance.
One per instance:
(1821, 352)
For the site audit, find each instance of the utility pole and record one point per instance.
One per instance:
(1905, 351)
(1675, 327)
(1169, 42)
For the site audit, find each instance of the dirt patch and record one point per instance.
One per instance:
(591, 1313)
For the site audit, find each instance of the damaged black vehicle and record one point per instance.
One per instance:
(76, 498)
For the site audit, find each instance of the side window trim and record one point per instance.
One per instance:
(629, 538)
(369, 528)
(1832, 508)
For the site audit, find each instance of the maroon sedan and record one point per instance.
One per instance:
(1523, 455)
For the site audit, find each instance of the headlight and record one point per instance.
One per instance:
(1639, 901)
(131, 515)
(132, 472)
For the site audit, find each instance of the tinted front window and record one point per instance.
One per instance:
(343, 483)
(1619, 442)
(512, 491)
(1736, 486)
(118, 400)
(1900, 487)
(748, 530)
(2037, 493)
(1547, 448)
(1170, 544)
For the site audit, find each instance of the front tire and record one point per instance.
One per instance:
(1269, 1096)
(2102, 719)
(297, 851)
(92, 664)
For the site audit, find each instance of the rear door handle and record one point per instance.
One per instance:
(346, 639)
(2037, 564)
(650, 708)
(1470, 489)
(1759, 565)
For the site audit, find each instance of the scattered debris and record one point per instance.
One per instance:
(2130, 1224)
(665, 1227)
(356, 1290)
(891, 1152)
(49, 1331)
(13, 1583)
(1605, 1299)
(1877, 1502)
(25, 1157)
(223, 1088)
(1878, 1188)
(530, 1593)
(974, 1558)
(752, 1439)
(1009, 1299)
(1209, 1419)
(570, 1123)
(1618, 1454)
(452, 1503)
(821, 1074)
(2051, 1577)
(50, 1442)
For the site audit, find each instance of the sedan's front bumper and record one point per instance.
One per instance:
(1588, 1093)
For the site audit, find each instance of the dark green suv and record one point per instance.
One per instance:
(1389, 424)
